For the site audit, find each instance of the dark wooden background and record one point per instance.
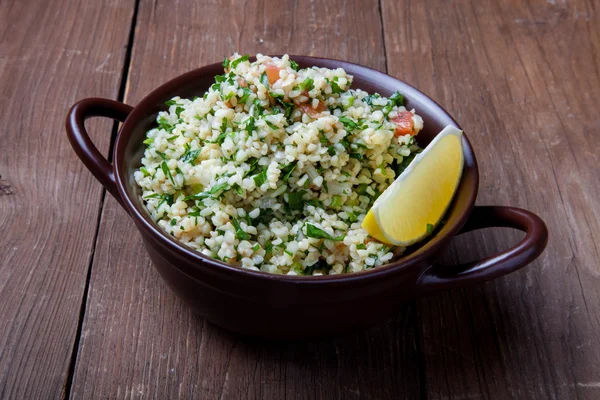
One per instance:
(83, 313)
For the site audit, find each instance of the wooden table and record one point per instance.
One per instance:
(83, 313)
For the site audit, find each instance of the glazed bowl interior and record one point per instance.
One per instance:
(129, 151)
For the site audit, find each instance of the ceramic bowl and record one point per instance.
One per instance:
(292, 307)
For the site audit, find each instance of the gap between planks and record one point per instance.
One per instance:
(66, 393)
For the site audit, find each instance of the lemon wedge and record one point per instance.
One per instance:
(413, 205)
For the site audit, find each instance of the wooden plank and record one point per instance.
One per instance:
(521, 78)
(138, 340)
(50, 56)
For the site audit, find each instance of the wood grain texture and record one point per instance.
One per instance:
(520, 77)
(50, 57)
(138, 339)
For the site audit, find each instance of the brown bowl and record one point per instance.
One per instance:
(291, 307)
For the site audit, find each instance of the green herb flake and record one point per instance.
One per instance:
(190, 156)
(167, 171)
(294, 65)
(287, 171)
(239, 233)
(245, 95)
(307, 85)
(397, 98)
(271, 125)
(323, 139)
(295, 200)
(210, 193)
(336, 201)
(362, 188)
(253, 167)
(250, 125)
(361, 246)
(173, 222)
(260, 178)
(256, 247)
(171, 102)
(236, 62)
(144, 171)
(429, 229)
(178, 111)
(352, 217)
(369, 99)
(264, 79)
(226, 62)
(349, 102)
(238, 189)
(318, 233)
(335, 88)
(268, 249)
(257, 109)
(349, 124)
(148, 141)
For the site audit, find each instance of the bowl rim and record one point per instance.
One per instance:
(403, 265)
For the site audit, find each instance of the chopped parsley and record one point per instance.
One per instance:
(352, 217)
(239, 233)
(268, 248)
(145, 171)
(238, 189)
(335, 88)
(264, 79)
(295, 200)
(244, 98)
(294, 65)
(210, 193)
(307, 85)
(369, 99)
(164, 198)
(253, 167)
(287, 171)
(349, 124)
(250, 125)
(336, 201)
(271, 125)
(260, 178)
(236, 62)
(318, 233)
(429, 229)
(167, 171)
(190, 156)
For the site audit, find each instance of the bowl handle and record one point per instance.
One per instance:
(82, 144)
(440, 277)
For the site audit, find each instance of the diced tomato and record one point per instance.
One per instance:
(313, 112)
(404, 123)
(272, 73)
